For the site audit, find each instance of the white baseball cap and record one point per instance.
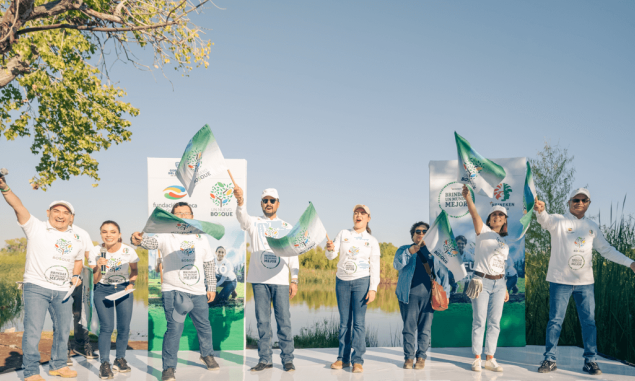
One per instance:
(64, 203)
(578, 191)
(367, 209)
(498, 208)
(270, 192)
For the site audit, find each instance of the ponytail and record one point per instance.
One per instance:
(368, 229)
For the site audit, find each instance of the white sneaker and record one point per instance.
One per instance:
(476, 365)
(493, 365)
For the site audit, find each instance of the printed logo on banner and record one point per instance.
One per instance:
(451, 200)
(502, 192)
(174, 192)
(222, 193)
(449, 248)
(172, 172)
(473, 167)
(302, 240)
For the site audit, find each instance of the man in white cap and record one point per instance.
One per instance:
(54, 260)
(183, 289)
(269, 277)
(573, 236)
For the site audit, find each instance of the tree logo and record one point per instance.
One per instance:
(579, 242)
(302, 240)
(187, 247)
(502, 192)
(222, 193)
(449, 248)
(114, 264)
(194, 160)
(271, 232)
(354, 250)
(174, 192)
(183, 226)
(63, 246)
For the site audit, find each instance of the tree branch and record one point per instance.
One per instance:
(15, 67)
(51, 9)
(99, 15)
(93, 29)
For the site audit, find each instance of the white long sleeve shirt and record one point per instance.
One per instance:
(359, 256)
(572, 241)
(264, 265)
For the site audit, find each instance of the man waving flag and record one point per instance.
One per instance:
(441, 243)
(304, 236)
(163, 222)
(482, 174)
(201, 160)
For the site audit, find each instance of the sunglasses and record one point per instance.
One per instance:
(577, 200)
(268, 200)
(420, 231)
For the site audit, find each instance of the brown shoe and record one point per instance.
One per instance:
(357, 368)
(421, 363)
(408, 364)
(339, 365)
(35, 377)
(64, 372)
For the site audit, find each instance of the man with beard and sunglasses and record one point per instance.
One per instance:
(269, 277)
(573, 238)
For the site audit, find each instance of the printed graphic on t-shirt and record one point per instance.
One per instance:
(126, 251)
(269, 260)
(57, 275)
(189, 275)
(570, 231)
(187, 248)
(353, 251)
(497, 264)
(350, 267)
(576, 262)
(579, 242)
(114, 265)
(63, 246)
(223, 269)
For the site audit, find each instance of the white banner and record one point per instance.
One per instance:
(445, 194)
(213, 201)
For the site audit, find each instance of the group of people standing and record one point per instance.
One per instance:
(55, 254)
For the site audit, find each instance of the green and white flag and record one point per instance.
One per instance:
(201, 160)
(304, 236)
(441, 243)
(87, 299)
(163, 222)
(529, 199)
(482, 174)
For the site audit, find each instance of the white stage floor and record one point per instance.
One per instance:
(381, 364)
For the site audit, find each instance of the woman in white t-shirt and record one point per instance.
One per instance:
(487, 289)
(356, 284)
(116, 259)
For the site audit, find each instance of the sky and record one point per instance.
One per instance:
(341, 103)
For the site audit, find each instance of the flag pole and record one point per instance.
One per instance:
(232, 177)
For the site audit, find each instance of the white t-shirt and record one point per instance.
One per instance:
(85, 237)
(183, 257)
(572, 241)
(359, 256)
(50, 254)
(225, 269)
(118, 263)
(491, 252)
(264, 266)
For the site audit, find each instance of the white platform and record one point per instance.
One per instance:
(381, 364)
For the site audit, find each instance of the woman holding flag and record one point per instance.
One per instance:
(356, 284)
(414, 292)
(110, 262)
(487, 289)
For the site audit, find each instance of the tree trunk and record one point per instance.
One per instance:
(14, 67)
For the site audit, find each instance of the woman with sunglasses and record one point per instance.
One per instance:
(414, 294)
(114, 278)
(487, 289)
(356, 284)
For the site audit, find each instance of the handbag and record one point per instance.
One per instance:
(439, 297)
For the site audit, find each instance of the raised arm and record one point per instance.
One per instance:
(333, 247)
(241, 209)
(402, 258)
(476, 219)
(21, 212)
(546, 220)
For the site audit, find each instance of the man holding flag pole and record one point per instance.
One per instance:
(269, 277)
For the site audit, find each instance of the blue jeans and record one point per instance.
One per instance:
(488, 307)
(417, 316)
(351, 303)
(584, 296)
(200, 317)
(37, 300)
(106, 312)
(511, 282)
(228, 287)
(264, 295)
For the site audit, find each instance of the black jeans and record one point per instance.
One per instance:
(81, 333)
